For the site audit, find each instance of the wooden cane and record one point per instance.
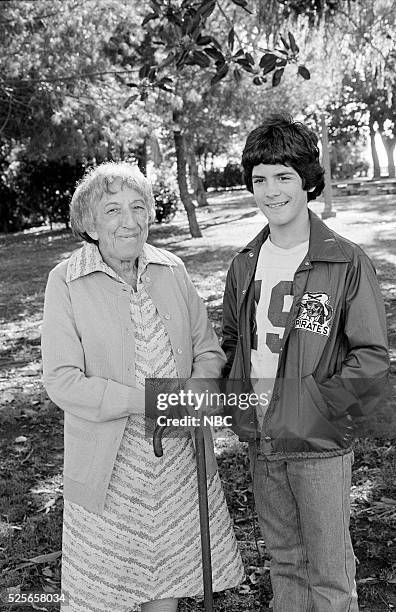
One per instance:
(203, 508)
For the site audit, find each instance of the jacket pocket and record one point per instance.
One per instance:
(80, 448)
(320, 427)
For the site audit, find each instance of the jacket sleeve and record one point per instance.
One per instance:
(230, 322)
(208, 358)
(92, 398)
(362, 380)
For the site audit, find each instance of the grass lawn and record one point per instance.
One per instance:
(31, 427)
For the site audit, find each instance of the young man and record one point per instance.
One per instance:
(304, 319)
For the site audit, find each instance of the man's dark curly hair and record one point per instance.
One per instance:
(281, 140)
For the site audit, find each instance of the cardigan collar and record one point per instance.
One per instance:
(88, 259)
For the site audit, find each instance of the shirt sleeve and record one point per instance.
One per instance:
(90, 397)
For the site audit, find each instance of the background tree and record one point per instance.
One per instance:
(84, 82)
(365, 36)
(175, 46)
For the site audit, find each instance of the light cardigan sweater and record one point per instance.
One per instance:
(88, 359)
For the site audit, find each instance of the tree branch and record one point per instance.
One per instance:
(359, 29)
(230, 23)
(76, 77)
(38, 17)
(2, 128)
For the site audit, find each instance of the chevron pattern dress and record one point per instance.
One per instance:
(146, 545)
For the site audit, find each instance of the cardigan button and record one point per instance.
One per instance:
(251, 254)
(167, 317)
(147, 279)
(180, 350)
(307, 263)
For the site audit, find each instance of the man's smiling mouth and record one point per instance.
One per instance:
(278, 204)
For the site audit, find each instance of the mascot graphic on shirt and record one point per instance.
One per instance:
(315, 313)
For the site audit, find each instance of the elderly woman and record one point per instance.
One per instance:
(116, 312)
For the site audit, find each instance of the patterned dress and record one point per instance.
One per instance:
(146, 545)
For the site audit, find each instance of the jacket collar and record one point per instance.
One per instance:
(324, 244)
(88, 259)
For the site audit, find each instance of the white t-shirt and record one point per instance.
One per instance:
(273, 286)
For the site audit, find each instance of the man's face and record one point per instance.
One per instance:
(121, 225)
(278, 192)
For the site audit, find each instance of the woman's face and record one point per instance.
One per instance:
(121, 225)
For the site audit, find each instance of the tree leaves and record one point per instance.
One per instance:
(243, 4)
(285, 43)
(222, 71)
(231, 39)
(247, 63)
(204, 40)
(173, 37)
(293, 45)
(277, 77)
(144, 71)
(237, 75)
(198, 58)
(207, 7)
(215, 54)
(304, 72)
(165, 84)
(130, 99)
(149, 18)
(268, 62)
(249, 58)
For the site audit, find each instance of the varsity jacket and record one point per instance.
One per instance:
(333, 361)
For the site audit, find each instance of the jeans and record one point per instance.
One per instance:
(303, 509)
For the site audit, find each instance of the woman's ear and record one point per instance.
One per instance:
(91, 230)
(92, 234)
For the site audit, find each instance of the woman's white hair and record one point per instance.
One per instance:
(96, 183)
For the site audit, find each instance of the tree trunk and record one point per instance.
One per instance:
(201, 193)
(122, 152)
(188, 204)
(327, 212)
(141, 156)
(196, 182)
(374, 154)
(389, 144)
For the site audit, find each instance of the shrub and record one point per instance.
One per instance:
(166, 201)
(48, 187)
(347, 161)
(230, 176)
